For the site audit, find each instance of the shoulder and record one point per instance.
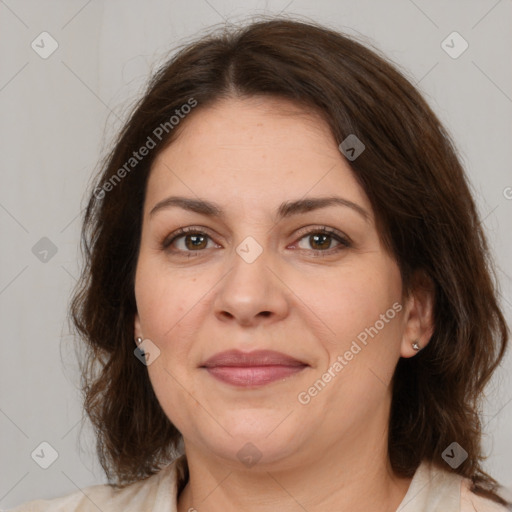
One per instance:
(158, 492)
(469, 502)
(436, 488)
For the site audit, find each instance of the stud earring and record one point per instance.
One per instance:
(416, 345)
(138, 340)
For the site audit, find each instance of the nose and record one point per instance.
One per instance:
(251, 292)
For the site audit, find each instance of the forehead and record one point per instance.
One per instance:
(259, 150)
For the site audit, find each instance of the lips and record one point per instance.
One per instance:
(255, 358)
(252, 368)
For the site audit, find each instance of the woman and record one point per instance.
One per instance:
(279, 297)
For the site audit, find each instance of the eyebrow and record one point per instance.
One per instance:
(286, 209)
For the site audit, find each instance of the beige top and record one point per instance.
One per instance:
(431, 490)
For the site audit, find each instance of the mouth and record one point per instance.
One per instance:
(248, 369)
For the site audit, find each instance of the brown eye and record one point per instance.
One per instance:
(320, 241)
(186, 241)
(194, 242)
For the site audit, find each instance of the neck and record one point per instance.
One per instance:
(355, 475)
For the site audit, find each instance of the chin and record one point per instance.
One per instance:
(259, 439)
(258, 453)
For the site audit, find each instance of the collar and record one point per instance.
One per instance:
(432, 489)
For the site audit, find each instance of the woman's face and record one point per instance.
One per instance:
(260, 276)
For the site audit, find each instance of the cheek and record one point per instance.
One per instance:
(349, 301)
(169, 308)
(367, 343)
(162, 298)
(163, 301)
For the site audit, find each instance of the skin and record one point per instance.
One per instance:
(249, 156)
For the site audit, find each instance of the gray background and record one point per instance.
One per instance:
(57, 119)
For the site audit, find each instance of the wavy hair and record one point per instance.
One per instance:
(426, 217)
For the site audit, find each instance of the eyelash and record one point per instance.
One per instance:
(344, 241)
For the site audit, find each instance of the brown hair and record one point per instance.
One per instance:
(424, 209)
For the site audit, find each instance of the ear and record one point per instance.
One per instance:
(418, 316)
(137, 329)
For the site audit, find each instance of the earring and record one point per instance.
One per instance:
(416, 345)
(138, 340)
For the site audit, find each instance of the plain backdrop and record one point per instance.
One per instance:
(58, 117)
